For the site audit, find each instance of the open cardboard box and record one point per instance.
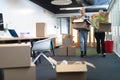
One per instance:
(70, 69)
(71, 66)
(80, 25)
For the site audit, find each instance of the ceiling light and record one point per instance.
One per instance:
(79, 1)
(61, 2)
(77, 8)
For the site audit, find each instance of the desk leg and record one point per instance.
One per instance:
(32, 55)
(52, 48)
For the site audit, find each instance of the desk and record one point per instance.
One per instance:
(20, 40)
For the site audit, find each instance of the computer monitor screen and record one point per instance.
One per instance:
(13, 32)
(1, 22)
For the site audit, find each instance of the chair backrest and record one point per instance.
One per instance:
(42, 45)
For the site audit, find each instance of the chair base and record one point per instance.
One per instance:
(42, 54)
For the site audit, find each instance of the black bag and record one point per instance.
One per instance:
(88, 22)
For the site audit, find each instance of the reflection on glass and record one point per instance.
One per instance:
(75, 36)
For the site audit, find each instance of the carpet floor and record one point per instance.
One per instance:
(107, 68)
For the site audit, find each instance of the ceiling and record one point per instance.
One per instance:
(90, 6)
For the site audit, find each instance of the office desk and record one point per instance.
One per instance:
(23, 40)
(20, 40)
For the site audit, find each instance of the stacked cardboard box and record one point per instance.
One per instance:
(62, 51)
(71, 51)
(16, 62)
(67, 49)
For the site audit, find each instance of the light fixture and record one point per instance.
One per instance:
(61, 2)
(79, 1)
(93, 7)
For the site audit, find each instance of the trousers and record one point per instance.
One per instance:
(83, 39)
(100, 37)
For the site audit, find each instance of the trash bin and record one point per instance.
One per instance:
(109, 46)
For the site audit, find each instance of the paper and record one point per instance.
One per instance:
(78, 20)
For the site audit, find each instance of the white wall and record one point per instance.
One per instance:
(22, 15)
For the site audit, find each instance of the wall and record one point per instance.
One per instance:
(114, 18)
(22, 15)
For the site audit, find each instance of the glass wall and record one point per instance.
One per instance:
(114, 18)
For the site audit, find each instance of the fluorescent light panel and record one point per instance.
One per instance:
(61, 2)
(77, 8)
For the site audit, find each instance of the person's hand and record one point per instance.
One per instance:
(97, 30)
(106, 21)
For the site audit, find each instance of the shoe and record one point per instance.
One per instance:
(104, 55)
(81, 54)
(98, 54)
(85, 53)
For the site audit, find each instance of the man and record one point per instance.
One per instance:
(100, 36)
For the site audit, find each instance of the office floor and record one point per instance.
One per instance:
(107, 68)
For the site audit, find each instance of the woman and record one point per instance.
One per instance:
(100, 36)
(83, 34)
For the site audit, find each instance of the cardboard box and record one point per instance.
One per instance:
(15, 55)
(67, 40)
(66, 36)
(27, 73)
(80, 26)
(105, 27)
(41, 30)
(62, 51)
(71, 66)
(71, 70)
(71, 76)
(71, 51)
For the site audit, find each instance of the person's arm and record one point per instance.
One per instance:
(103, 19)
(87, 19)
(96, 23)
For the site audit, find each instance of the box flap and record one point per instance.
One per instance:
(89, 64)
(52, 60)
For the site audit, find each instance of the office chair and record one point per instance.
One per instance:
(41, 47)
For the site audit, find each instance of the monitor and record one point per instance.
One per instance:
(13, 32)
(1, 22)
